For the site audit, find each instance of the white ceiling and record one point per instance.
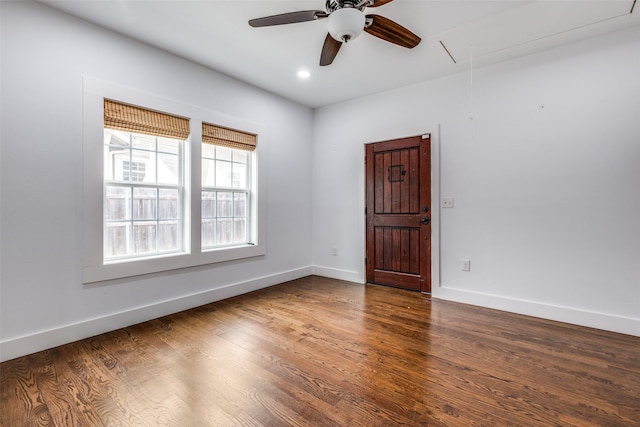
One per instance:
(215, 33)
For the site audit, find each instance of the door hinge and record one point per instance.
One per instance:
(426, 136)
(366, 261)
(365, 210)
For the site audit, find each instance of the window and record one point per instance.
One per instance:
(144, 190)
(226, 186)
(163, 189)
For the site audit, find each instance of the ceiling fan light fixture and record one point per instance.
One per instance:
(346, 24)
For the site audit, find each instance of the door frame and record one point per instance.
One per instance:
(434, 131)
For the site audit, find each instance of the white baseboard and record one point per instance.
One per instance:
(335, 273)
(20, 346)
(607, 322)
(16, 347)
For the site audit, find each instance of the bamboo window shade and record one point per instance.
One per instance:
(217, 135)
(130, 118)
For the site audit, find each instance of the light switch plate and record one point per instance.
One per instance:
(446, 202)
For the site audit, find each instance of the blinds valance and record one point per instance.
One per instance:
(130, 118)
(217, 135)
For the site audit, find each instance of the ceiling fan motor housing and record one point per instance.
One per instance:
(346, 24)
(346, 21)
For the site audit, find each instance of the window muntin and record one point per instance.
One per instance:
(143, 195)
(225, 197)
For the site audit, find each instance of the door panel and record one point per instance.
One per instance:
(398, 192)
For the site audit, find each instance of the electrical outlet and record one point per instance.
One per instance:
(334, 251)
(466, 264)
(446, 202)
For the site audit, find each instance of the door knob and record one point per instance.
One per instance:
(425, 220)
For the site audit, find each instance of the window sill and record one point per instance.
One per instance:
(140, 266)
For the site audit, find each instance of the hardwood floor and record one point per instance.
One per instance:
(322, 352)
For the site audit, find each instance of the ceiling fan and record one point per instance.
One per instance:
(346, 21)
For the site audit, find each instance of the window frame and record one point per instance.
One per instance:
(95, 269)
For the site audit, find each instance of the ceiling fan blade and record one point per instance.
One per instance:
(329, 50)
(288, 18)
(391, 31)
(377, 3)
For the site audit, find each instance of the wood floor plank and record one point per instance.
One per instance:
(323, 352)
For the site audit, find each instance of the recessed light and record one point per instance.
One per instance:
(304, 74)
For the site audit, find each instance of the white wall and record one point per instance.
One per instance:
(546, 181)
(45, 55)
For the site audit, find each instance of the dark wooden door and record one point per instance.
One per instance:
(398, 210)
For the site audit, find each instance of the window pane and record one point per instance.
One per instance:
(240, 156)
(208, 204)
(223, 174)
(118, 203)
(117, 138)
(116, 238)
(208, 151)
(225, 204)
(208, 173)
(223, 153)
(145, 203)
(208, 233)
(133, 171)
(168, 204)
(239, 204)
(168, 236)
(142, 167)
(144, 142)
(166, 145)
(144, 237)
(168, 170)
(239, 175)
(240, 231)
(113, 158)
(224, 231)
